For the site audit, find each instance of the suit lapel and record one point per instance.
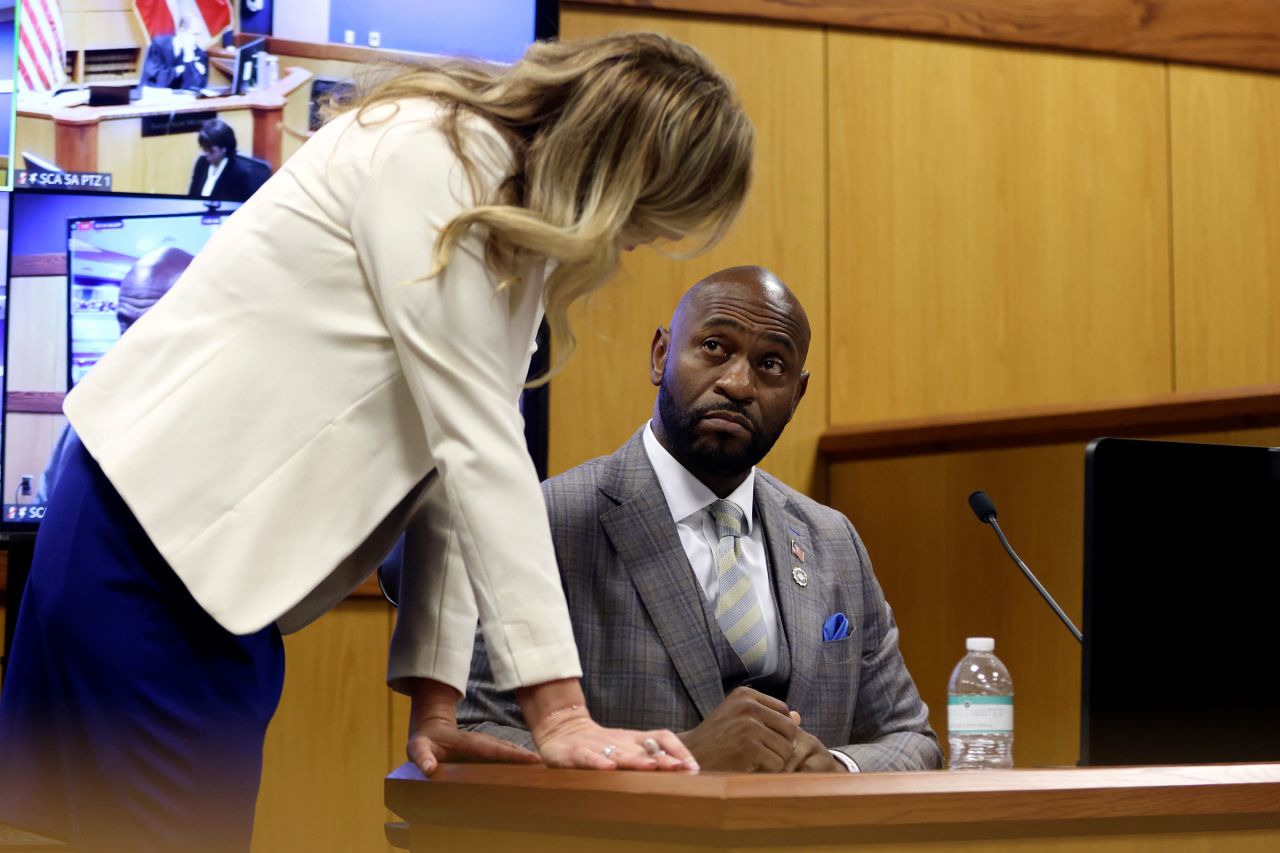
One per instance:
(800, 607)
(648, 545)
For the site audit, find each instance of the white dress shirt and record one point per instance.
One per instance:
(689, 499)
(211, 178)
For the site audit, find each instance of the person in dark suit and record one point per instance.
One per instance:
(220, 173)
(709, 597)
(176, 61)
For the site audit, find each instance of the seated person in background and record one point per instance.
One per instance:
(176, 61)
(220, 173)
(147, 280)
(707, 596)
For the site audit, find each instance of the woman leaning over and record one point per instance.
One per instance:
(338, 366)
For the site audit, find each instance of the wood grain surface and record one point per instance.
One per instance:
(604, 394)
(1225, 170)
(1244, 33)
(999, 228)
(1219, 409)
(799, 810)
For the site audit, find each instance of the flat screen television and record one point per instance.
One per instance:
(494, 30)
(246, 75)
(1181, 580)
(81, 267)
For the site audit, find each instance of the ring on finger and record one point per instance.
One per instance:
(609, 750)
(651, 746)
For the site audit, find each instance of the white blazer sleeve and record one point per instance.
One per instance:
(462, 359)
(436, 618)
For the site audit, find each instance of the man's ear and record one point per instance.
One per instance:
(658, 352)
(800, 389)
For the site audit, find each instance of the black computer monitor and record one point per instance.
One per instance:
(246, 74)
(1181, 584)
(69, 253)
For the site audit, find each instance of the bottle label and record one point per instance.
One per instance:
(988, 715)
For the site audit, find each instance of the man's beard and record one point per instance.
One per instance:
(681, 428)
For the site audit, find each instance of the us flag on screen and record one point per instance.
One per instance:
(160, 17)
(41, 49)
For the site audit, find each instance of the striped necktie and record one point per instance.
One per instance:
(737, 608)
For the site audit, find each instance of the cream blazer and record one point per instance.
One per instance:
(304, 393)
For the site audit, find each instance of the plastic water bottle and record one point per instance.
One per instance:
(980, 709)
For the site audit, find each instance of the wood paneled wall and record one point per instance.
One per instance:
(1225, 174)
(1241, 33)
(604, 394)
(999, 228)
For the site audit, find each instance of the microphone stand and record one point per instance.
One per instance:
(1044, 593)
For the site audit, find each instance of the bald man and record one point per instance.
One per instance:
(710, 598)
(147, 280)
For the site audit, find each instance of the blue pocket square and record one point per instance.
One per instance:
(835, 628)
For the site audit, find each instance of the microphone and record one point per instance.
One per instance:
(985, 510)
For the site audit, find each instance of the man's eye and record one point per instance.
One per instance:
(773, 365)
(711, 346)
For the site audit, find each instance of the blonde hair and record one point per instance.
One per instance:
(634, 130)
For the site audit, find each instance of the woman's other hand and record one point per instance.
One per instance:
(434, 735)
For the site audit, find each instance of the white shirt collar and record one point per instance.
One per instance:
(215, 172)
(687, 495)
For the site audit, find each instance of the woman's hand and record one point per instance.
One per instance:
(434, 735)
(567, 736)
(581, 742)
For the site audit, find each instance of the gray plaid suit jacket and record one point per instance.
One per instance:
(638, 618)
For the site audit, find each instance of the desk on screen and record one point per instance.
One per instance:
(110, 139)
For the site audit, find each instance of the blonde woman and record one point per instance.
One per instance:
(339, 365)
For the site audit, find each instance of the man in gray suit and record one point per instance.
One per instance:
(708, 597)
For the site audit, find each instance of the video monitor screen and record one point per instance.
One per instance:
(8, 33)
(494, 30)
(212, 99)
(82, 267)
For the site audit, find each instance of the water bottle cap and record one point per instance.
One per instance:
(980, 644)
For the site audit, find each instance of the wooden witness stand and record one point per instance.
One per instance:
(1230, 807)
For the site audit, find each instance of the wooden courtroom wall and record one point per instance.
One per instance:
(1225, 176)
(1099, 338)
(999, 224)
(604, 394)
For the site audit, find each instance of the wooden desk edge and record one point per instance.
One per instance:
(888, 805)
(272, 98)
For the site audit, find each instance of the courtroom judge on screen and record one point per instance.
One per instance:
(176, 61)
